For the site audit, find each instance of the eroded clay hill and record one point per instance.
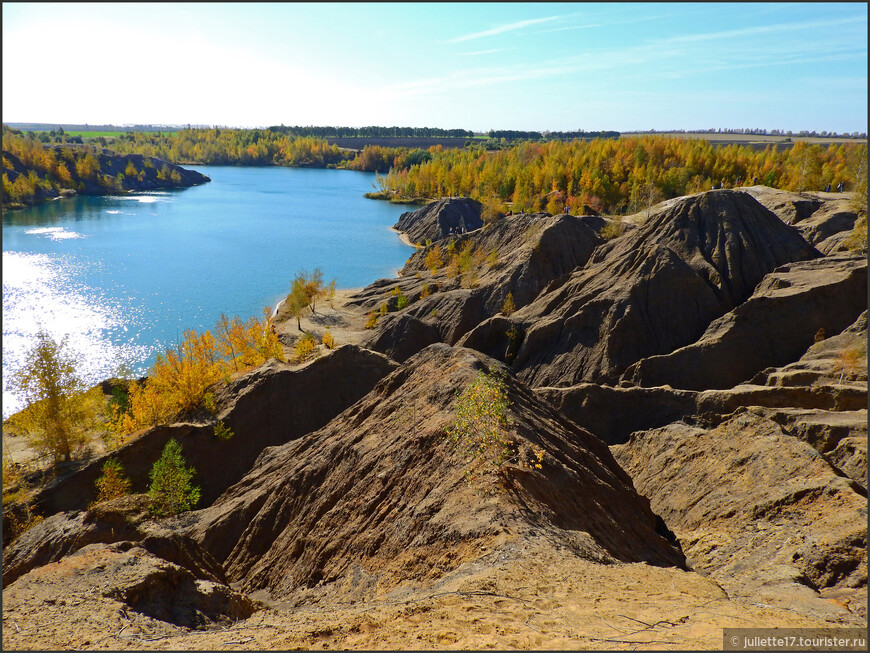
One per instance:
(381, 496)
(267, 406)
(440, 219)
(648, 292)
(517, 256)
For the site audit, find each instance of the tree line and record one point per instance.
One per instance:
(373, 132)
(33, 170)
(514, 135)
(607, 174)
(617, 176)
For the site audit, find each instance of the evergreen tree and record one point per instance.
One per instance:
(171, 489)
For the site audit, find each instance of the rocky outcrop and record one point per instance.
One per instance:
(440, 219)
(757, 509)
(775, 326)
(381, 495)
(402, 335)
(696, 259)
(268, 406)
(834, 360)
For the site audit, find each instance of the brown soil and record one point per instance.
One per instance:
(519, 596)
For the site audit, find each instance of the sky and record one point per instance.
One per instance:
(525, 66)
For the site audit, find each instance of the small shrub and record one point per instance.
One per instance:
(328, 340)
(820, 335)
(509, 307)
(425, 291)
(515, 339)
(113, 482)
(222, 431)
(612, 230)
(171, 489)
(305, 349)
(857, 240)
(209, 402)
(383, 309)
(16, 522)
(402, 302)
(478, 430)
(372, 321)
(434, 259)
(848, 363)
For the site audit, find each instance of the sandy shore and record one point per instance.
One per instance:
(404, 238)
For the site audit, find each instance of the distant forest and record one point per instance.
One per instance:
(621, 176)
(373, 132)
(561, 171)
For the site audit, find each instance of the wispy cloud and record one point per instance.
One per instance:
(501, 29)
(609, 23)
(760, 30)
(570, 28)
(479, 52)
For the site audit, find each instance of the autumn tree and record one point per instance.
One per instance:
(330, 293)
(59, 414)
(314, 288)
(113, 482)
(297, 300)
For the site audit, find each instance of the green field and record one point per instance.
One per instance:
(97, 134)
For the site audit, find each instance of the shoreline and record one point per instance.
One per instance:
(404, 238)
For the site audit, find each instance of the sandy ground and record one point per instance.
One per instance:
(528, 595)
(345, 323)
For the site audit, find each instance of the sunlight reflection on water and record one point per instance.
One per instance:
(55, 233)
(66, 309)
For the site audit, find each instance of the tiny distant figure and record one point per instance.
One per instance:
(754, 181)
(828, 188)
(840, 187)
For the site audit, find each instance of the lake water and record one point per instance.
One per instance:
(123, 277)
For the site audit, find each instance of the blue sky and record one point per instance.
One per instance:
(532, 66)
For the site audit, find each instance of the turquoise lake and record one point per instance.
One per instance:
(123, 277)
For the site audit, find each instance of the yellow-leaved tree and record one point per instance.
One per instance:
(59, 414)
(180, 379)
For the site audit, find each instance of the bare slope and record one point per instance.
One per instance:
(380, 496)
(649, 292)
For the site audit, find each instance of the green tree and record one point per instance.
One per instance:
(58, 415)
(172, 490)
